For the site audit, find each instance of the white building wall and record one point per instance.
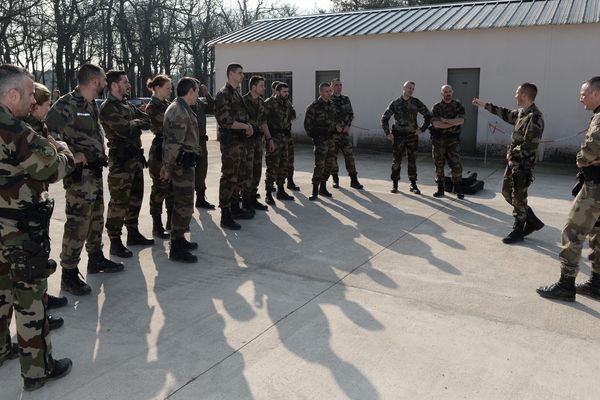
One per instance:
(373, 68)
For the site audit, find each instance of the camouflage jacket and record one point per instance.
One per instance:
(75, 120)
(344, 112)
(590, 149)
(115, 116)
(28, 163)
(201, 109)
(38, 126)
(451, 110)
(405, 115)
(527, 132)
(256, 109)
(320, 118)
(180, 132)
(230, 107)
(279, 114)
(156, 111)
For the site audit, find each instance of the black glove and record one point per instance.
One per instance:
(577, 188)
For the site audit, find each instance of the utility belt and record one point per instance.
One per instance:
(186, 159)
(401, 132)
(232, 136)
(280, 132)
(591, 173)
(94, 166)
(122, 154)
(31, 260)
(321, 134)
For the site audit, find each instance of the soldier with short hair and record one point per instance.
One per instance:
(584, 218)
(201, 109)
(180, 152)
(527, 133)
(320, 125)
(234, 127)
(405, 133)
(123, 124)
(74, 119)
(447, 117)
(341, 139)
(29, 163)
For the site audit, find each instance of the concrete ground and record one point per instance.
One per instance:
(368, 295)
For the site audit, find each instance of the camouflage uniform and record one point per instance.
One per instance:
(279, 120)
(527, 134)
(251, 165)
(405, 116)
(179, 156)
(75, 120)
(161, 191)
(28, 163)
(342, 141)
(445, 143)
(230, 107)
(201, 109)
(125, 163)
(585, 211)
(290, 141)
(320, 125)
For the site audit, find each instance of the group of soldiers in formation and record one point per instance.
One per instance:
(42, 143)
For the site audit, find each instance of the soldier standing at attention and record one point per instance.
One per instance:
(162, 191)
(233, 119)
(254, 154)
(528, 124)
(201, 109)
(74, 119)
(585, 211)
(341, 139)
(29, 162)
(123, 124)
(447, 117)
(179, 160)
(320, 125)
(405, 133)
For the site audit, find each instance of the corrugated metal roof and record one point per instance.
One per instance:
(440, 17)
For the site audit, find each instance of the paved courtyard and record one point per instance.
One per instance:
(368, 295)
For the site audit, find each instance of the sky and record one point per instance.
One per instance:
(310, 5)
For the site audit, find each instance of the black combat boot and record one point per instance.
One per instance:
(354, 183)
(315, 192)
(336, 180)
(227, 221)
(56, 302)
(323, 190)
(257, 205)
(157, 228)
(516, 235)
(413, 187)
(591, 288)
(394, 186)
(134, 237)
(61, 368)
(55, 322)
(532, 223)
(282, 194)
(291, 185)
(248, 206)
(269, 197)
(180, 251)
(564, 289)
(458, 189)
(238, 212)
(70, 282)
(202, 203)
(440, 190)
(169, 215)
(98, 263)
(118, 249)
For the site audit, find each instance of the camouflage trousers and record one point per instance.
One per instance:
(278, 161)
(324, 151)
(84, 210)
(28, 300)
(447, 150)
(402, 144)
(231, 157)
(201, 170)
(290, 156)
(251, 168)
(343, 143)
(126, 187)
(161, 191)
(182, 180)
(582, 224)
(515, 183)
